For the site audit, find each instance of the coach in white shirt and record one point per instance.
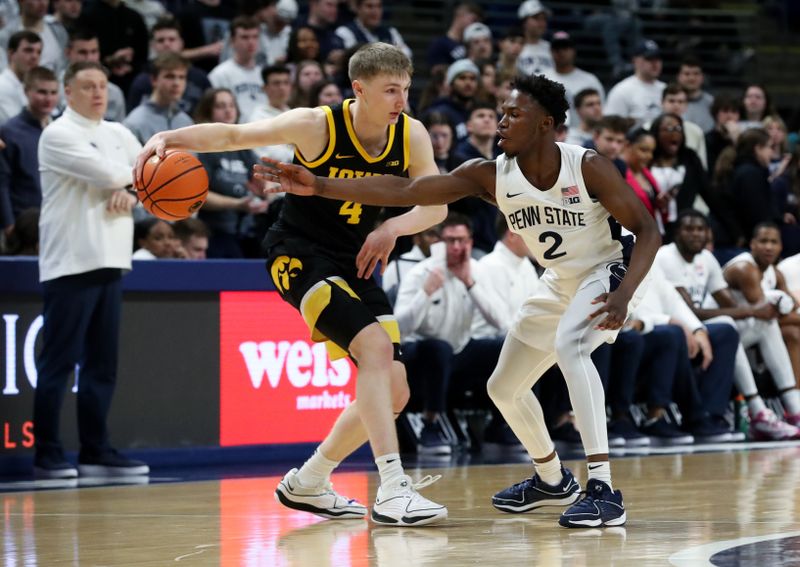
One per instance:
(86, 241)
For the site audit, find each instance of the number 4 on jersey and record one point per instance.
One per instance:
(352, 211)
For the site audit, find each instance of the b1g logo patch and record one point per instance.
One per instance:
(570, 195)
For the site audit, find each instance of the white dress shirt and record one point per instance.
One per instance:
(12, 95)
(82, 162)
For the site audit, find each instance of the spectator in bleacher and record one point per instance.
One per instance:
(725, 111)
(488, 85)
(86, 241)
(63, 19)
(479, 42)
(638, 155)
(481, 143)
(278, 88)
(24, 50)
(123, 38)
(435, 90)
(778, 144)
(587, 110)
(463, 79)
(448, 48)
(20, 185)
(574, 79)
(691, 78)
(307, 74)
(166, 38)
(509, 273)
(83, 45)
(756, 106)
(303, 44)
(230, 204)
(150, 10)
(204, 25)
(698, 277)
(154, 239)
(322, 17)
(786, 193)
(677, 169)
(608, 139)
(672, 337)
(193, 235)
(325, 93)
(23, 238)
(754, 281)
(368, 27)
(240, 73)
(639, 96)
(535, 57)
(440, 130)
(510, 47)
(436, 304)
(161, 111)
(742, 182)
(674, 100)
(32, 18)
(274, 19)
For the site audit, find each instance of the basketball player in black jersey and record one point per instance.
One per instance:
(321, 256)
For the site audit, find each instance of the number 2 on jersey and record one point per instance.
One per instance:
(352, 211)
(550, 253)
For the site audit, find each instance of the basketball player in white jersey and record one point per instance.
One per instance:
(565, 201)
(754, 280)
(697, 276)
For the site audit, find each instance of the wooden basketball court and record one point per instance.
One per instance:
(734, 507)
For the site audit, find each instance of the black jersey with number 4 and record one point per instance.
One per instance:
(341, 226)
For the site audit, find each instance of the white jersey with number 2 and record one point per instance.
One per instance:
(569, 232)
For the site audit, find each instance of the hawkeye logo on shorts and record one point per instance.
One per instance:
(283, 270)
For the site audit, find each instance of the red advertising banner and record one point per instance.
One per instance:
(276, 386)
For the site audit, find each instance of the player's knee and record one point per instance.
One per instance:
(791, 334)
(372, 346)
(567, 346)
(498, 392)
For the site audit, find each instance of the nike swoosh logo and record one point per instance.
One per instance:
(340, 156)
(510, 196)
(591, 468)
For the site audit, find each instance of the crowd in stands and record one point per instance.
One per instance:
(719, 172)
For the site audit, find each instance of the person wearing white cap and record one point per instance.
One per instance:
(639, 96)
(478, 39)
(535, 57)
(462, 78)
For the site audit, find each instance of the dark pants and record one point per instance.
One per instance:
(81, 326)
(436, 374)
(716, 383)
(618, 365)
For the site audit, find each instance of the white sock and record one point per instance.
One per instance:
(791, 401)
(600, 470)
(756, 405)
(316, 470)
(389, 467)
(549, 472)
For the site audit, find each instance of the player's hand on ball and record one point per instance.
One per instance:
(120, 202)
(289, 177)
(154, 146)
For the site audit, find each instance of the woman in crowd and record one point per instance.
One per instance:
(756, 106)
(726, 112)
(307, 74)
(440, 129)
(637, 155)
(325, 92)
(677, 169)
(154, 239)
(303, 45)
(231, 205)
(778, 143)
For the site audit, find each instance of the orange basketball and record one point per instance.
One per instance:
(173, 187)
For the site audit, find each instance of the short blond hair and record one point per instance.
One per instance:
(375, 59)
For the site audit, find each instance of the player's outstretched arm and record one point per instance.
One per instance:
(606, 184)
(296, 126)
(473, 178)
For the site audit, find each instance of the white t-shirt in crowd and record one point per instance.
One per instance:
(702, 277)
(245, 83)
(633, 98)
(535, 58)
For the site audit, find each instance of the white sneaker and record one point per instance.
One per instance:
(399, 504)
(321, 500)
